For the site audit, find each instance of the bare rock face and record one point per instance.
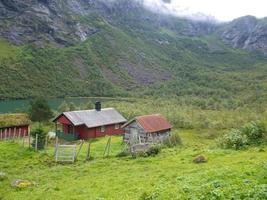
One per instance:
(66, 23)
(59, 22)
(38, 21)
(246, 33)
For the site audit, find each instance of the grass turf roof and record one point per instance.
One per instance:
(7, 120)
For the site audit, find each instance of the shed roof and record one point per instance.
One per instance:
(94, 118)
(152, 123)
(10, 120)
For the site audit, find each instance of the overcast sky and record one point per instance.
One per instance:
(222, 10)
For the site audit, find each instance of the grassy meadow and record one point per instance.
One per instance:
(228, 174)
(172, 174)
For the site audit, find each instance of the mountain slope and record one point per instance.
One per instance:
(97, 48)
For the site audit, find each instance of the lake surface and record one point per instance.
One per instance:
(9, 106)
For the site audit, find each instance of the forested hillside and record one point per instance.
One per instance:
(97, 48)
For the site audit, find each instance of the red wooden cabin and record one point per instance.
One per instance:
(86, 124)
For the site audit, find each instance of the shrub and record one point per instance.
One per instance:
(153, 150)
(254, 131)
(234, 139)
(41, 137)
(173, 140)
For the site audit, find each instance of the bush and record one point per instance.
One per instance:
(255, 132)
(252, 133)
(153, 150)
(41, 137)
(233, 140)
(150, 151)
(173, 140)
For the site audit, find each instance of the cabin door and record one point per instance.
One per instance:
(134, 135)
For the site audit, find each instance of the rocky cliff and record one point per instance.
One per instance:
(246, 33)
(63, 22)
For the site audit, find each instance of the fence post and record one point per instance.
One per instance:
(88, 151)
(1, 135)
(56, 145)
(36, 142)
(74, 153)
(29, 140)
(46, 141)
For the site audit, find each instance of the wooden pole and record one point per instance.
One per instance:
(56, 152)
(46, 142)
(88, 151)
(74, 153)
(109, 145)
(56, 146)
(107, 148)
(29, 140)
(36, 142)
(1, 134)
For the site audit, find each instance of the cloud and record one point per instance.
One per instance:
(177, 8)
(223, 10)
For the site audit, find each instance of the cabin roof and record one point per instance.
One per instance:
(10, 120)
(94, 118)
(152, 123)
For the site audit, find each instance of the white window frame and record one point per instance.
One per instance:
(117, 126)
(103, 129)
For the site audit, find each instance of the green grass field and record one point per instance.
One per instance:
(228, 174)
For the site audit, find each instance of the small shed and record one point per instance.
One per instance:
(147, 129)
(14, 125)
(86, 124)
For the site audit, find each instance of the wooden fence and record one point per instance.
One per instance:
(25, 139)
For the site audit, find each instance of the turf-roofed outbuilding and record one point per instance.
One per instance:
(14, 125)
(86, 124)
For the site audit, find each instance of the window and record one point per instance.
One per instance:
(102, 129)
(117, 126)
